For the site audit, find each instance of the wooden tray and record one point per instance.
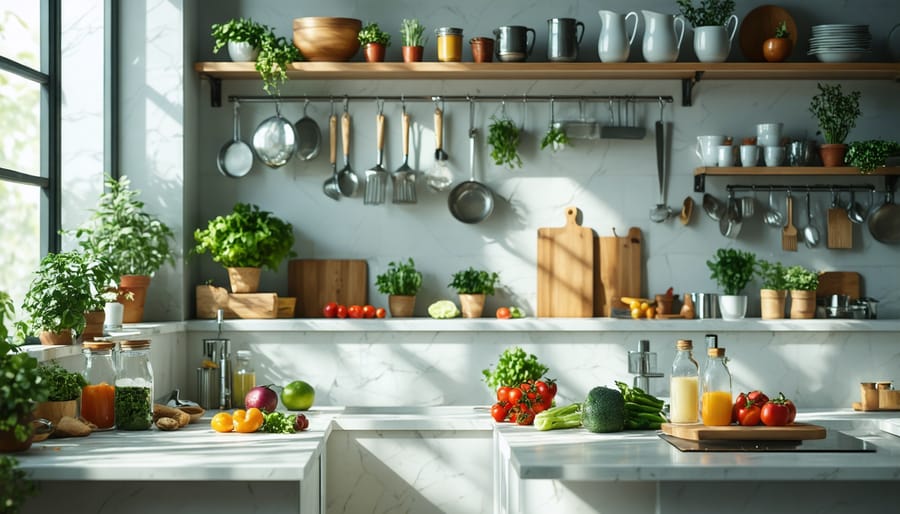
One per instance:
(236, 305)
(700, 432)
(858, 407)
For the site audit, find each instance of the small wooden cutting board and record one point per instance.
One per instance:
(565, 259)
(839, 282)
(701, 432)
(840, 229)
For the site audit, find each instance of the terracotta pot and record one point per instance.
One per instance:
(803, 304)
(412, 53)
(771, 303)
(56, 338)
(136, 285)
(401, 306)
(93, 326)
(777, 49)
(244, 280)
(482, 49)
(54, 411)
(471, 305)
(9, 443)
(374, 52)
(832, 154)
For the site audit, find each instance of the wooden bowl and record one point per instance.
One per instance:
(328, 39)
(195, 412)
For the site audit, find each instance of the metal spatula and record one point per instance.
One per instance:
(377, 176)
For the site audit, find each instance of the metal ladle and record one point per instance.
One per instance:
(855, 211)
(773, 217)
(661, 212)
(810, 233)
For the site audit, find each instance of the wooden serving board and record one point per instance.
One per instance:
(839, 282)
(565, 258)
(620, 269)
(315, 282)
(235, 305)
(700, 432)
(839, 229)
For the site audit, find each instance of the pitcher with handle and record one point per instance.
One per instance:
(712, 43)
(614, 45)
(661, 44)
(563, 37)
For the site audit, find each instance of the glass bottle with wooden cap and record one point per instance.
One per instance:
(716, 401)
(98, 397)
(684, 385)
(134, 387)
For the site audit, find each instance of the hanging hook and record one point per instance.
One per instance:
(346, 103)
(471, 116)
(661, 108)
(403, 103)
(379, 103)
(332, 105)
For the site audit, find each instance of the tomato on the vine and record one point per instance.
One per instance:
(503, 393)
(330, 309)
(514, 395)
(775, 413)
(758, 398)
(499, 411)
(749, 414)
(525, 417)
(792, 411)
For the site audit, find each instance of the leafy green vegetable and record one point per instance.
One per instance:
(643, 411)
(278, 423)
(568, 416)
(134, 410)
(555, 137)
(603, 410)
(503, 136)
(248, 237)
(400, 279)
(472, 281)
(516, 312)
(64, 385)
(871, 154)
(514, 367)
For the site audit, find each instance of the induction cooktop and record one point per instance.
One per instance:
(834, 441)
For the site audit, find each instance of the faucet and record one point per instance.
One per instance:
(642, 364)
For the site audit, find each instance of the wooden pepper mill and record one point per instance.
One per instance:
(687, 307)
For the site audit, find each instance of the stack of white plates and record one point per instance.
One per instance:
(839, 42)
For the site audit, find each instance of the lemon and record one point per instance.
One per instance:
(298, 395)
(443, 309)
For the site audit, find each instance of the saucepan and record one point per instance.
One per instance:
(275, 140)
(884, 224)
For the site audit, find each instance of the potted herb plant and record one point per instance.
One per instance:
(413, 35)
(245, 241)
(803, 284)
(773, 291)
(778, 48)
(401, 282)
(133, 242)
(374, 42)
(837, 114)
(242, 36)
(503, 137)
(64, 392)
(871, 154)
(710, 20)
(732, 270)
(472, 286)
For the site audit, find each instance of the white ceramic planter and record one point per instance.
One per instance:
(713, 43)
(241, 51)
(113, 312)
(733, 307)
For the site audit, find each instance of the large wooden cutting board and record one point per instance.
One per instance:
(316, 282)
(565, 258)
(620, 269)
(700, 432)
(839, 282)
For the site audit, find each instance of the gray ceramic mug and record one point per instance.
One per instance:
(563, 38)
(512, 43)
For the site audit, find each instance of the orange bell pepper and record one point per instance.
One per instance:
(248, 421)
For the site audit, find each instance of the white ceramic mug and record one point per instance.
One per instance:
(773, 155)
(708, 149)
(725, 155)
(749, 155)
(768, 134)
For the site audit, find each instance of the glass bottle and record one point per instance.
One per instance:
(716, 402)
(134, 387)
(684, 385)
(243, 379)
(98, 396)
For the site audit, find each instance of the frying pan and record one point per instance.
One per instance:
(884, 224)
(308, 136)
(275, 140)
(235, 158)
(471, 201)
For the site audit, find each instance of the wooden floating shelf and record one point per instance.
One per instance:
(700, 174)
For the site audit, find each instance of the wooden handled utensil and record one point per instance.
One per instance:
(789, 232)
(840, 228)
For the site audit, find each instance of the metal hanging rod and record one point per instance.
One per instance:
(455, 98)
(825, 188)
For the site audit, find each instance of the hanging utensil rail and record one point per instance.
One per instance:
(454, 98)
(812, 189)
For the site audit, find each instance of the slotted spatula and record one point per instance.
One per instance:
(789, 233)
(377, 176)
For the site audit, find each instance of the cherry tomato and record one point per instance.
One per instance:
(749, 414)
(355, 311)
(222, 422)
(525, 417)
(503, 393)
(499, 411)
(514, 395)
(380, 312)
(546, 402)
(525, 386)
(775, 413)
(504, 313)
(542, 388)
(330, 310)
(341, 311)
(792, 410)
(368, 311)
(758, 398)
(538, 407)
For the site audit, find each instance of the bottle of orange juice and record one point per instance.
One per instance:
(715, 402)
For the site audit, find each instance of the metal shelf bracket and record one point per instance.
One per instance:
(687, 88)
(215, 92)
(700, 183)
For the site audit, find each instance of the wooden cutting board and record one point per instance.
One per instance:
(840, 229)
(565, 258)
(316, 282)
(700, 432)
(235, 305)
(839, 282)
(620, 269)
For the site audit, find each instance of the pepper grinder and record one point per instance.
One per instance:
(224, 363)
(642, 364)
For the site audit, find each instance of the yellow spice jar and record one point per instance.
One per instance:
(449, 44)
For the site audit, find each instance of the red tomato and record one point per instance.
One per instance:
(748, 415)
(330, 310)
(551, 383)
(525, 386)
(503, 393)
(739, 402)
(792, 411)
(514, 395)
(355, 311)
(546, 402)
(538, 407)
(380, 312)
(775, 414)
(525, 417)
(542, 388)
(341, 311)
(758, 398)
(504, 313)
(499, 411)
(368, 311)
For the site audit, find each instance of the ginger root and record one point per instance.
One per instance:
(167, 424)
(71, 427)
(164, 411)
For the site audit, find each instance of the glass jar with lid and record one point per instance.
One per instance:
(134, 387)
(684, 384)
(98, 396)
(243, 379)
(449, 44)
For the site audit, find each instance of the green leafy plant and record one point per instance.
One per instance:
(837, 112)
(798, 278)
(708, 13)
(239, 30)
(732, 269)
(6, 314)
(15, 487)
(248, 237)
(129, 240)
(871, 154)
(781, 31)
(412, 32)
(503, 136)
(275, 56)
(64, 385)
(61, 292)
(400, 279)
(514, 367)
(372, 33)
(771, 274)
(472, 281)
(555, 138)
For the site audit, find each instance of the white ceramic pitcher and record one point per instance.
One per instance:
(713, 43)
(614, 45)
(660, 41)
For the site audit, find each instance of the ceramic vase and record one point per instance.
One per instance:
(733, 307)
(713, 43)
